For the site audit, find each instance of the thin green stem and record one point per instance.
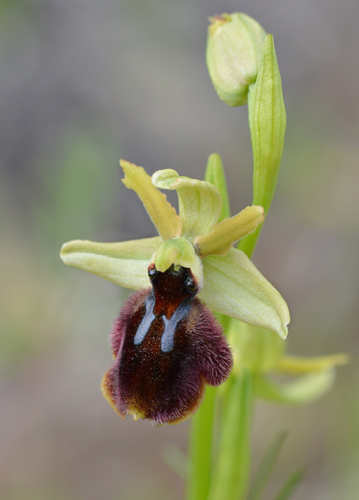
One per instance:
(231, 475)
(201, 440)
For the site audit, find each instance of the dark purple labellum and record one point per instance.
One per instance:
(167, 345)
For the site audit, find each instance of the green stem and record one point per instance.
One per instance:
(201, 441)
(231, 475)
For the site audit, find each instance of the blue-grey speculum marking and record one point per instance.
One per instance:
(167, 339)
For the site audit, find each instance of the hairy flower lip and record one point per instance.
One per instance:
(167, 346)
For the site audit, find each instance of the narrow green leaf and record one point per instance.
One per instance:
(290, 485)
(267, 122)
(266, 467)
(201, 443)
(231, 473)
(215, 175)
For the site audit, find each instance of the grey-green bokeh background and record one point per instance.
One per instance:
(85, 82)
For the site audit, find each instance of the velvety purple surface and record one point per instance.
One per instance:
(166, 386)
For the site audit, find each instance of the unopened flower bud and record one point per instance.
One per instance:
(234, 47)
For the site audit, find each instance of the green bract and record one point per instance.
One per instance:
(230, 284)
(267, 123)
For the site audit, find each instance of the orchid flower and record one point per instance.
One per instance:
(166, 343)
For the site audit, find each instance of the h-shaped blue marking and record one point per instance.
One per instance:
(146, 322)
(167, 339)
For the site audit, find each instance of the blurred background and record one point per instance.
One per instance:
(83, 83)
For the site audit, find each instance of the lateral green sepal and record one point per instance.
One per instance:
(233, 286)
(303, 389)
(122, 263)
(298, 365)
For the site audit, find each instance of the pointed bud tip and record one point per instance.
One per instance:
(65, 249)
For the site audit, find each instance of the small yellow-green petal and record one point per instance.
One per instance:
(162, 214)
(297, 365)
(233, 286)
(221, 238)
(123, 263)
(200, 203)
(179, 252)
(215, 175)
(303, 389)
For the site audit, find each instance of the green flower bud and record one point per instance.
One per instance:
(234, 47)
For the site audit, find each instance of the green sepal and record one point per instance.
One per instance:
(303, 389)
(124, 263)
(297, 365)
(233, 286)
